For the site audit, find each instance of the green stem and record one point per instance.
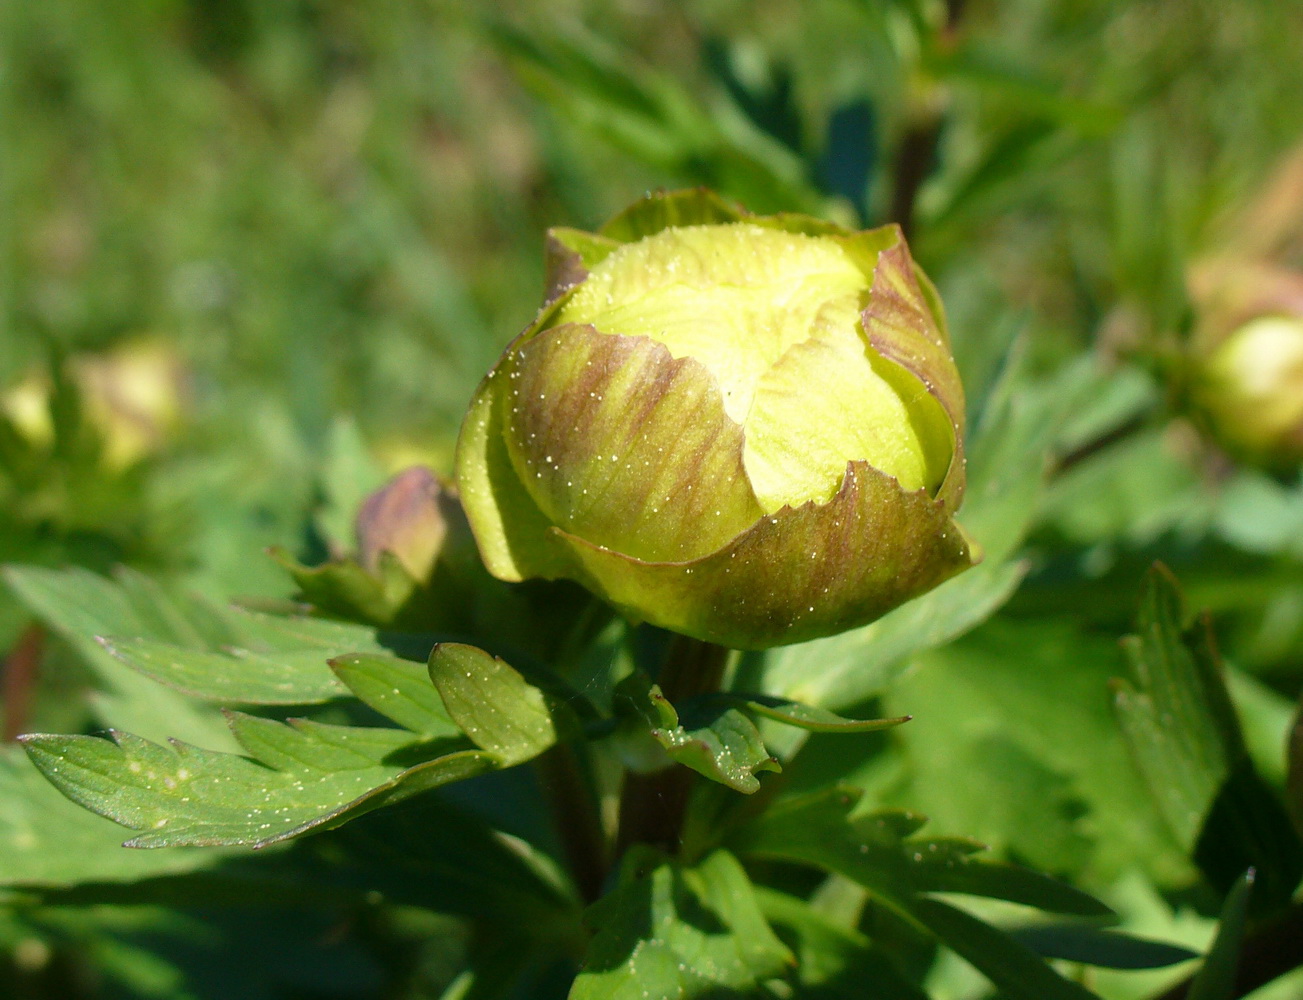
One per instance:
(575, 814)
(653, 806)
(1267, 954)
(566, 781)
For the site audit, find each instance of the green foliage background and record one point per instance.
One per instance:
(330, 215)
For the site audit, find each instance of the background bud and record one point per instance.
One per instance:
(1251, 391)
(746, 429)
(403, 518)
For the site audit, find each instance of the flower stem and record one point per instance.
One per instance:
(574, 811)
(653, 806)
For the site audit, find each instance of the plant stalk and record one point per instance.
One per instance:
(653, 806)
(20, 674)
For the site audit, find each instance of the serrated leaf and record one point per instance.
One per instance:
(833, 962)
(1177, 719)
(495, 706)
(1018, 971)
(811, 717)
(669, 930)
(261, 659)
(709, 736)
(1100, 947)
(1186, 741)
(1216, 980)
(47, 841)
(237, 677)
(300, 776)
(398, 689)
(822, 829)
(80, 605)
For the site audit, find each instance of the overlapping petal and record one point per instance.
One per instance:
(796, 574)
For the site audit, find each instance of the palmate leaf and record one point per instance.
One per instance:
(875, 850)
(228, 655)
(298, 776)
(673, 930)
(304, 774)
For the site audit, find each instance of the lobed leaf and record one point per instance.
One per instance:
(398, 689)
(1018, 971)
(496, 707)
(299, 777)
(710, 737)
(670, 930)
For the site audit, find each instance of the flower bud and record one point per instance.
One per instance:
(1251, 391)
(405, 518)
(745, 429)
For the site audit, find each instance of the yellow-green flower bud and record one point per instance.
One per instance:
(746, 429)
(1250, 389)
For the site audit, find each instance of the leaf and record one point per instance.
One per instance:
(1100, 947)
(817, 720)
(1216, 980)
(398, 689)
(1018, 971)
(1185, 738)
(80, 605)
(496, 707)
(823, 830)
(298, 777)
(236, 677)
(713, 739)
(669, 930)
(47, 841)
(832, 962)
(1014, 742)
(1177, 718)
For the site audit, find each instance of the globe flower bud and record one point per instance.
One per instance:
(1251, 391)
(745, 429)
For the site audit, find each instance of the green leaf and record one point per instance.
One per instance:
(1018, 971)
(1216, 980)
(1011, 746)
(822, 829)
(47, 841)
(299, 777)
(669, 930)
(344, 587)
(236, 677)
(1177, 717)
(1184, 735)
(496, 707)
(80, 605)
(817, 720)
(710, 737)
(1100, 947)
(832, 962)
(398, 689)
